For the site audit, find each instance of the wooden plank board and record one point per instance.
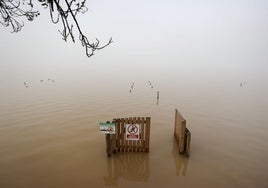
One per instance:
(122, 135)
(147, 134)
(179, 130)
(142, 133)
(182, 134)
(188, 142)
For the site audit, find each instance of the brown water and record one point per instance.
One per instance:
(49, 134)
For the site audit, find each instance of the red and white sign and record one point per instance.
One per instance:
(132, 132)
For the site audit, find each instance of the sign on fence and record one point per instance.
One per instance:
(127, 135)
(107, 128)
(132, 132)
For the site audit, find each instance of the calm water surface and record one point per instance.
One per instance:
(49, 134)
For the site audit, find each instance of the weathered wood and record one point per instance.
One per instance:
(113, 140)
(117, 136)
(122, 146)
(118, 142)
(147, 134)
(142, 135)
(179, 130)
(108, 145)
(188, 141)
(182, 134)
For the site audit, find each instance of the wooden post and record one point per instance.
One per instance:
(108, 145)
(147, 135)
(188, 141)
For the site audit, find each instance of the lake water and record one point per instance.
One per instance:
(49, 132)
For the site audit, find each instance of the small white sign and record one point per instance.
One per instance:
(107, 128)
(132, 131)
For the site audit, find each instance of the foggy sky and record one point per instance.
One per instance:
(156, 38)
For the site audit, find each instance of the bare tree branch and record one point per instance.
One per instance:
(12, 10)
(60, 10)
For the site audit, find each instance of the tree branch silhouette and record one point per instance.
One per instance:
(61, 11)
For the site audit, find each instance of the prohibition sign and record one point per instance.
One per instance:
(132, 132)
(132, 129)
(110, 129)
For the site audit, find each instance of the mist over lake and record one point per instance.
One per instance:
(208, 59)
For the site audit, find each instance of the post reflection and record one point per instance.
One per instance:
(129, 166)
(181, 161)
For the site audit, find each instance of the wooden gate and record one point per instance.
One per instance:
(118, 142)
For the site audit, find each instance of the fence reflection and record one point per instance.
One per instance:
(181, 162)
(129, 166)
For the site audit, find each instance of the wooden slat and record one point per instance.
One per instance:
(188, 142)
(117, 132)
(179, 130)
(134, 142)
(122, 135)
(142, 135)
(127, 141)
(147, 134)
(182, 135)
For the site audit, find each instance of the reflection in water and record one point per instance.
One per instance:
(129, 166)
(181, 162)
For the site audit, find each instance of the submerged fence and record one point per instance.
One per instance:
(131, 135)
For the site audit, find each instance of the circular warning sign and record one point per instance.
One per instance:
(110, 129)
(132, 129)
(132, 132)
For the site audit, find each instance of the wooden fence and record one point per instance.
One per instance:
(182, 134)
(118, 142)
